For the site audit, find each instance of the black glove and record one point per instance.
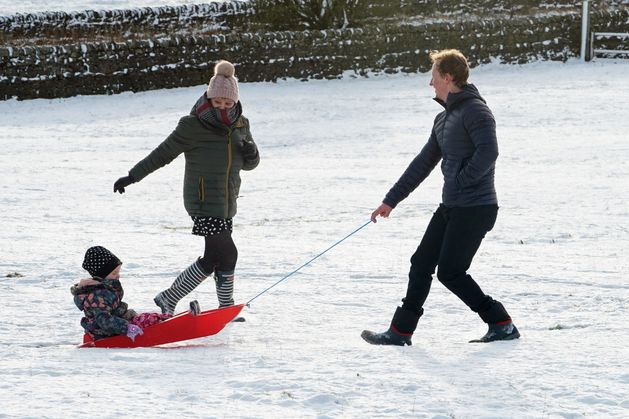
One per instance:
(122, 183)
(249, 150)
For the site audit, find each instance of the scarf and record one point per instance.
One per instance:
(209, 115)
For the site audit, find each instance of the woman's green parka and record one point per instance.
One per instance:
(214, 159)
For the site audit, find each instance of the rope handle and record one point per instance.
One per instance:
(310, 261)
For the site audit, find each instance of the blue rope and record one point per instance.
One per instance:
(310, 261)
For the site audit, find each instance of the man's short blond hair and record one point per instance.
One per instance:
(453, 62)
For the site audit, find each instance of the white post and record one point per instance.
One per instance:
(584, 29)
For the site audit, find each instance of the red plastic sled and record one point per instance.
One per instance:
(183, 326)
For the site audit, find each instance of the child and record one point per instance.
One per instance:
(100, 299)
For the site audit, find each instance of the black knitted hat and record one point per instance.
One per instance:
(100, 262)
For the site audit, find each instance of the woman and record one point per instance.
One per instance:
(464, 139)
(217, 144)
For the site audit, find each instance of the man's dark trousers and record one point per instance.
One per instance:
(450, 242)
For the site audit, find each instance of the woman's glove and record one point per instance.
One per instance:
(249, 150)
(122, 183)
(133, 331)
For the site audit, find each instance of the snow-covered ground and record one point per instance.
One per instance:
(11, 7)
(330, 150)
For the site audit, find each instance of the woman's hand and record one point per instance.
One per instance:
(383, 210)
(249, 150)
(122, 183)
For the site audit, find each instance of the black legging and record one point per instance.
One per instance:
(220, 253)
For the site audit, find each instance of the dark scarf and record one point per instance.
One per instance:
(209, 115)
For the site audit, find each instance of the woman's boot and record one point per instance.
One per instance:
(225, 291)
(183, 285)
(224, 288)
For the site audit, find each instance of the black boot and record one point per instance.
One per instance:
(400, 332)
(195, 308)
(501, 326)
(499, 331)
(390, 337)
(492, 311)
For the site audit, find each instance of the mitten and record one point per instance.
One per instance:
(122, 183)
(133, 331)
(129, 314)
(249, 150)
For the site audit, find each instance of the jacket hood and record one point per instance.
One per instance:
(469, 92)
(85, 285)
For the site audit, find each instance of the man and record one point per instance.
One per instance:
(463, 137)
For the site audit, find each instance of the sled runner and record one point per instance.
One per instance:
(181, 327)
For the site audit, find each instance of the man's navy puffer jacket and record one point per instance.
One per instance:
(464, 138)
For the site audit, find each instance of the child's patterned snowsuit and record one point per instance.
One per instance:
(101, 302)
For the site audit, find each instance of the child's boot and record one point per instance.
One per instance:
(183, 285)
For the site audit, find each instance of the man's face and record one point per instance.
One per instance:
(441, 83)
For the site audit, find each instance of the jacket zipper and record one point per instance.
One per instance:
(229, 166)
(201, 189)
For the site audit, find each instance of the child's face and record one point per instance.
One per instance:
(115, 274)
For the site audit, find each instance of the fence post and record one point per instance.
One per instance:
(584, 31)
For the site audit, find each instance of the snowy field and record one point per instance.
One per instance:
(330, 150)
(11, 7)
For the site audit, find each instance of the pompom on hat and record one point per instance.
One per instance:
(100, 262)
(224, 83)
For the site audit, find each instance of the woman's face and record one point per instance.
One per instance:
(222, 103)
(441, 83)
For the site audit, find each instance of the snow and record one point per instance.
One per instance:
(10, 7)
(557, 257)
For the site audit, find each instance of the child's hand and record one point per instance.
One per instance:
(129, 314)
(133, 331)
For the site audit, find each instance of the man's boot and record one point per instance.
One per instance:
(183, 285)
(500, 325)
(499, 331)
(400, 332)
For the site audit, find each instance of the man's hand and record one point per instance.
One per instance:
(383, 210)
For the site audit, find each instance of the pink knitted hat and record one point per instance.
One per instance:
(223, 84)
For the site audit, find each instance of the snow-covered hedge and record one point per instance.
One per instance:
(111, 67)
(48, 26)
